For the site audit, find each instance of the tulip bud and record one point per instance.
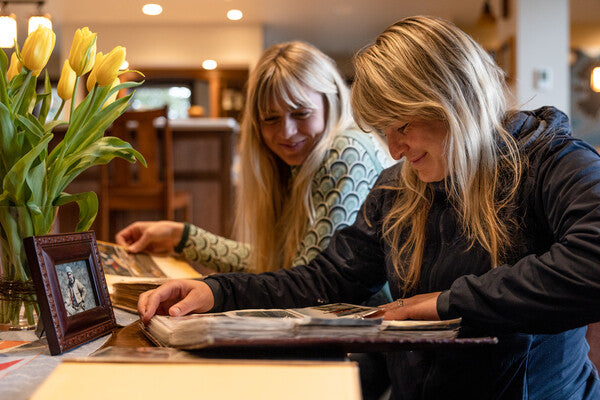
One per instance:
(91, 80)
(15, 67)
(83, 51)
(113, 96)
(37, 49)
(66, 82)
(109, 67)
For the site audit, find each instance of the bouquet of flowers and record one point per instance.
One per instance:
(34, 176)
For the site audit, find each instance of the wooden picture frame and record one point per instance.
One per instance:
(71, 290)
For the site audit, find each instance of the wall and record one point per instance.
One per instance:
(542, 44)
(230, 46)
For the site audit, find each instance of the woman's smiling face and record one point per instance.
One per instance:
(292, 134)
(422, 142)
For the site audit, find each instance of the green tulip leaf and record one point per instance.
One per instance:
(25, 94)
(95, 127)
(124, 85)
(3, 79)
(36, 181)
(132, 70)
(3, 62)
(46, 99)
(49, 126)
(7, 150)
(14, 181)
(88, 207)
(99, 153)
(31, 126)
(16, 83)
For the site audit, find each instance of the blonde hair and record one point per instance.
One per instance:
(428, 68)
(273, 208)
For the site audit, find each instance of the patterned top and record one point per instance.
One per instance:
(339, 188)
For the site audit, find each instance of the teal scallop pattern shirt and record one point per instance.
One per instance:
(338, 190)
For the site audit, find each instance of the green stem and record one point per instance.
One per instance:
(21, 95)
(60, 108)
(73, 98)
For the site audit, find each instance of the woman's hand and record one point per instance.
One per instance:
(154, 237)
(421, 306)
(176, 298)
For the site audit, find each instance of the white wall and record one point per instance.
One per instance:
(177, 46)
(542, 43)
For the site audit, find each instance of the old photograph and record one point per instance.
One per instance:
(76, 287)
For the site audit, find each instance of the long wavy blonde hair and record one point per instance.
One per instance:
(428, 68)
(273, 207)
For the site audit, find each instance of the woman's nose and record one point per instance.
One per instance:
(397, 146)
(289, 128)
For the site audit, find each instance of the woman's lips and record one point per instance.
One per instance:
(418, 159)
(292, 146)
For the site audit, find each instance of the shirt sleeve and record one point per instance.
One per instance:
(213, 251)
(351, 269)
(556, 289)
(339, 188)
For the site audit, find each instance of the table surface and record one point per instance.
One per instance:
(24, 368)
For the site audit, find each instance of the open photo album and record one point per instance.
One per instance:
(129, 274)
(197, 330)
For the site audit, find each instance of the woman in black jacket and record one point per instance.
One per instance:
(493, 217)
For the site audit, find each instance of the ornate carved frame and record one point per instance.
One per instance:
(64, 332)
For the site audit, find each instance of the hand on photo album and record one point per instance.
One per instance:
(157, 237)
(175, 298)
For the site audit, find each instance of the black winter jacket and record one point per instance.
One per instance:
(537, 305)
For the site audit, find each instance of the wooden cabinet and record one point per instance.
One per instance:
(226, 87)
(203, 156)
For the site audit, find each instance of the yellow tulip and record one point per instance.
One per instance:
(113, 96)
(109, 67)
(66, 82)
(91, 80)
(15, 67)
(83, 51)
(37, 49)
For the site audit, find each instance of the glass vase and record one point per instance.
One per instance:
(18, 306)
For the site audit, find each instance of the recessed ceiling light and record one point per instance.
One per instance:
(234, 15)
(152, 9)
(209, 64)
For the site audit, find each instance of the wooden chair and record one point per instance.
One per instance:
(126, 186)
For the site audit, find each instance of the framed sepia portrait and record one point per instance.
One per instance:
(70, 287)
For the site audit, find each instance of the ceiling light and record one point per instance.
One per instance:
(152, 9)
(209, 64)
(595, 79)
(8, 23)
(37, 20)
(234, 15)
(8, 30)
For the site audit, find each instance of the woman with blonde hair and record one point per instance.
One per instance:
(305, 169)
(494, 217)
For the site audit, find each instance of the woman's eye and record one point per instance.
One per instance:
(271, 120)
(402, 128)
(300, 114)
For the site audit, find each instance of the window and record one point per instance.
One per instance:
(176, 94)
